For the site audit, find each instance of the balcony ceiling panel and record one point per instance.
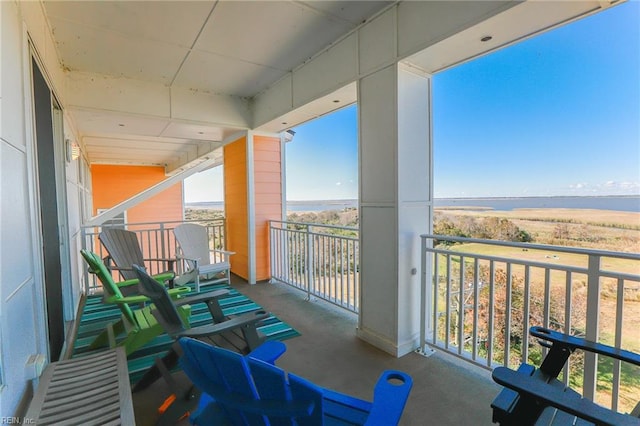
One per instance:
(112, 138)
(338, 99)
(172, 22)
(235, 48)
(106, 149)
(278, 35)
(194, 131)
(225, 75)
(104, 122)
(150, 40)
(116, 54)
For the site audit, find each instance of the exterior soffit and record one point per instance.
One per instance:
(507, 23)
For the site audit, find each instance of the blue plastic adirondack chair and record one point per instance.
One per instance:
(246, 390)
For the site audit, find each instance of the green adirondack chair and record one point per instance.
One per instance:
(136, 327)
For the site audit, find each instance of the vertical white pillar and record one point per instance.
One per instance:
(395, 203)
(251, 210)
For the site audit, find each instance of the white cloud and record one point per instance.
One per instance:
(609, 187)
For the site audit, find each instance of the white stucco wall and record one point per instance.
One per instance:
(23, 330)
(20, 291)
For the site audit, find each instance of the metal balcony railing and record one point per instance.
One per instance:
(481, 297)
(322, 260)
(156, 241)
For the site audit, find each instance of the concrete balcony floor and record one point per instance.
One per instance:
(446, 390)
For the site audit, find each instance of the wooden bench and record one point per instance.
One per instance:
(92, 390)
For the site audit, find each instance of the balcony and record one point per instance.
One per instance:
(446, 391)
(477, 304)
(480, 298)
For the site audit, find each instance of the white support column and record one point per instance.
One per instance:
(251, 210)
(395, 203)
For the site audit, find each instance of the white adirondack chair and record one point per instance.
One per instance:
(194, 245)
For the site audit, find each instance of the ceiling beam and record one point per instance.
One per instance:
(117, 95)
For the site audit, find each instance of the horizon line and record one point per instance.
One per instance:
(491, 197)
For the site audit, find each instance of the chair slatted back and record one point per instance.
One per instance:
(124, 250)
(249, 391)
(158, 294)
(194, 242)
(97, 267)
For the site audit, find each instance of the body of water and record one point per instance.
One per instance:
(616, 203)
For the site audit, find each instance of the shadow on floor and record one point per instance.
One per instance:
(446, 391)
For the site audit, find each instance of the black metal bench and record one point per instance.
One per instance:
(92, 390)
(535, 395)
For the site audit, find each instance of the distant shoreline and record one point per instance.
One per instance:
(628, 203)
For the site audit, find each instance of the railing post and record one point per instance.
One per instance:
(591, 332)
(85, 271)
(272, 252)
(426, 304)
(285, 244)
(308, 261)
(164, 254)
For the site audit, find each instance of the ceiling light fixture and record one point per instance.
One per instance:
(288, 135)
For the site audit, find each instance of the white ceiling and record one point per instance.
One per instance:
(236, 48)
(233, 50)
(229, 47)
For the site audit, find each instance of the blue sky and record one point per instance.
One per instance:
(558, 114)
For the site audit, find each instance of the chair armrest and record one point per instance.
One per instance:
(160, 259)
(163, 276)
(177, 292)
(135, 299)
(202, 297)
(193, 259)
(269, 351)
(211, 299)
(554, 396)
(507, 400)
(126, 299)
(573, 343)
(127, 283)
(118, 268)
(225, 254)
(127, 288)
(389, 398)
(242, 321)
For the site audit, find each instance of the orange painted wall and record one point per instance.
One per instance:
(235, 205)
(268, 201)
(114, 184)
(268, 197)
